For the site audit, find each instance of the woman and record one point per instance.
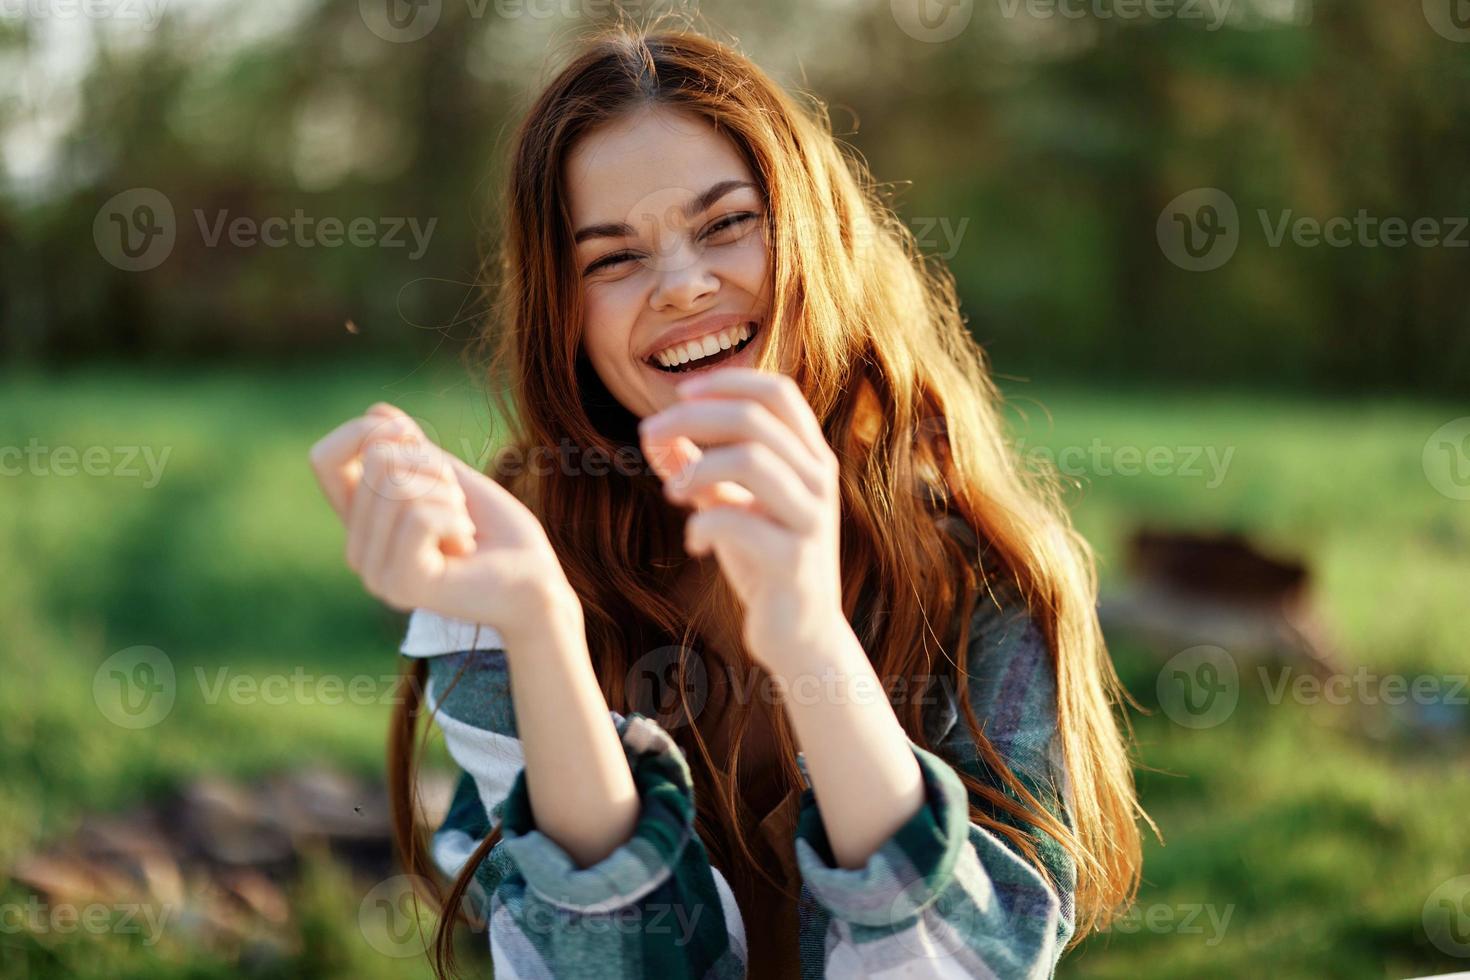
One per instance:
(757, 460)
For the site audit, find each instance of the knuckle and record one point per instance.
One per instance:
(747, 454)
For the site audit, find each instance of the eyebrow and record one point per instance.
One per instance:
(618, 229)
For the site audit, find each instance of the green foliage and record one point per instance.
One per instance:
(1048, 146)
(1323, 843)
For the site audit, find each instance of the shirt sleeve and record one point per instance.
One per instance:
(653, 907)
(945, 897)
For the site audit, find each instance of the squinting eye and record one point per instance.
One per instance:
(607, 261)
(730, 221)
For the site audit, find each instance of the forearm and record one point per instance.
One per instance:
(862, 768)
(577, 776)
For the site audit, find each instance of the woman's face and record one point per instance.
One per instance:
(671, 252)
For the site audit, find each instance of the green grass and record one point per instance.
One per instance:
(1320, 843)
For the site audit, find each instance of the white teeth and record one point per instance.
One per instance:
(701, 347)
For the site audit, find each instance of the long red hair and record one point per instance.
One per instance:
(937, 509)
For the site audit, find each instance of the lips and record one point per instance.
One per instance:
(706, 351)
(698, 344)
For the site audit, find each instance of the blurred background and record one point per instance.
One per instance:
(1217, 251)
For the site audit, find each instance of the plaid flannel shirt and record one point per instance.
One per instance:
(943, 897)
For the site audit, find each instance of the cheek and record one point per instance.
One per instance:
(611, 310)
(749, 264)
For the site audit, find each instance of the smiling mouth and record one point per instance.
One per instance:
(709, 360)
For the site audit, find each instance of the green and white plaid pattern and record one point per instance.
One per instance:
(942, 898)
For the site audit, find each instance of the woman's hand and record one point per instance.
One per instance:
(765, 497)
(426, 530)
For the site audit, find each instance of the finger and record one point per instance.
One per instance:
(774, 487)
(374, 512)
(414, 559)
(335, 459)
(777, 392)
(485, 499)
(745, 534)
(716, 421)
(670, 458)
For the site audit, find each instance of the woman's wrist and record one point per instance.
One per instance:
(812, 644)
(544, 610)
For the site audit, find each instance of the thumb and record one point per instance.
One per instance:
(485, 499)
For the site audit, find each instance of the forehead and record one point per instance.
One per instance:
(653, 153)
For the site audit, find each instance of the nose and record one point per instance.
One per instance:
(684, 278)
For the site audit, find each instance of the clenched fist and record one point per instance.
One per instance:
(426, 530)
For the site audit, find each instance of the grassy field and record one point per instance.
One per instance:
(1295, 844)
